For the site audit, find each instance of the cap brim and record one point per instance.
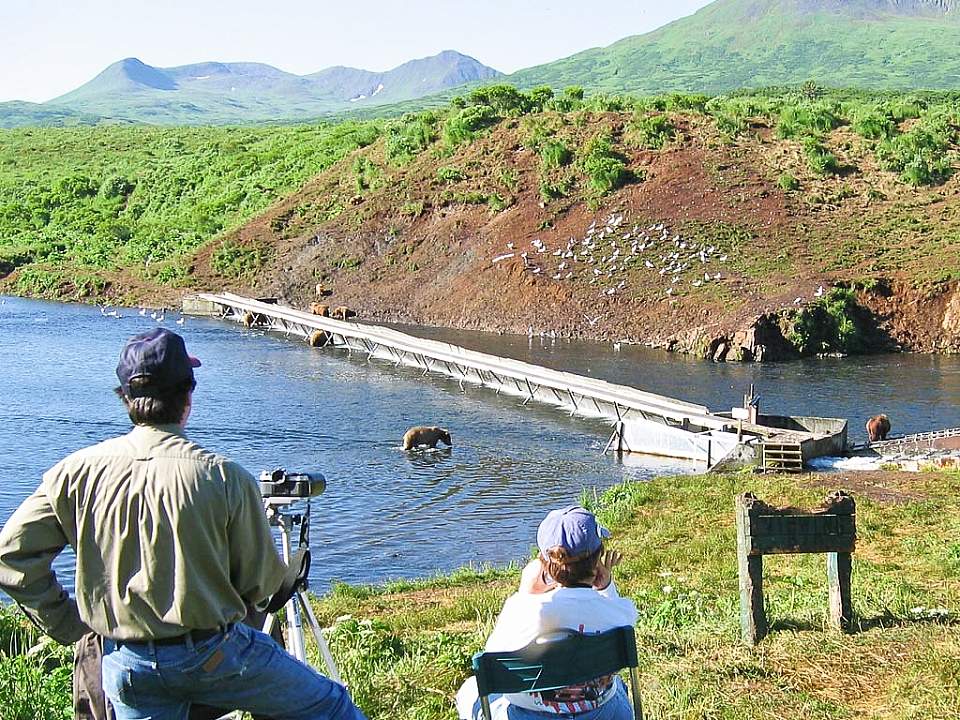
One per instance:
(194, 361)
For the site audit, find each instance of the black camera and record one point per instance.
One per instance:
(281, 484)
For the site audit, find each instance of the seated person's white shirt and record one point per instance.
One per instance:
(526, 616)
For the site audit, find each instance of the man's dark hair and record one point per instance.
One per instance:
(570, 570)
(165, 408)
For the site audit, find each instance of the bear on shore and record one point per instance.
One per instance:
(342, 312)
(878, 427)
(320, 309)
(429, 436)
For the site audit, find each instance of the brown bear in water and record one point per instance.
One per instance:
(877, 427)
(429, 436)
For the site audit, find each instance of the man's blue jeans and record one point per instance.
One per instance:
(240, 669)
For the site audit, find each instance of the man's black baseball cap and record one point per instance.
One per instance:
(160, 359)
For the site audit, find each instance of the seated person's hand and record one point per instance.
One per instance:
(609, 559)
(533, 579)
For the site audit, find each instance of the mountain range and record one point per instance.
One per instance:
(729, 44)
(216, 93)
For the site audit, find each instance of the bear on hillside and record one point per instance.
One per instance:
(320, 309)
(429, 436)
(878, 427)
(342, 312)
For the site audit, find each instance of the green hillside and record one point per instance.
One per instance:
(89, 201)
(733, 44)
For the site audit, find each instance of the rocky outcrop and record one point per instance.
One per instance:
(950, 339)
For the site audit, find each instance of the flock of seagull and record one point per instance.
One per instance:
(158, 315)
(610, 248)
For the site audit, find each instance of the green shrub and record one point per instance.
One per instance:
(609, 103)
(462, 125)
(39, 282)
(650, 131)
(904, 108)
(820, 160)
(684, 102)
(553, 189)
(540, 97)
(366, 174)
(919, 155)
(788, 182)
(873, 123)
(606, 169)
(829, 324)
(505, 100)
(410, 209)
(572, 99)
(554, 154)
(730, 125)
(449, 174)
(409, 136)
(509, 178)
(807, 119)
(497, 202)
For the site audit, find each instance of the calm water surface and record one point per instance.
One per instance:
(269, 401)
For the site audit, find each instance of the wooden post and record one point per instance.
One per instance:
(839, 567)
(753, 618)
(766, 530)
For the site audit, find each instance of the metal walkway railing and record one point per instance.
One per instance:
(578, 394)
(914, 440)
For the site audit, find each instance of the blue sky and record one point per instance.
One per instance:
(48, 47)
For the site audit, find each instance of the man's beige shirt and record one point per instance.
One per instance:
(168, 537)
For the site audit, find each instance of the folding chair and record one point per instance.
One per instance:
(555, 661)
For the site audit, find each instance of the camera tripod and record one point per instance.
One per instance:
(282, 515)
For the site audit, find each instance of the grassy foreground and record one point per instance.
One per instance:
(404, 648)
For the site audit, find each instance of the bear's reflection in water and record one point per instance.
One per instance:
(425, 457)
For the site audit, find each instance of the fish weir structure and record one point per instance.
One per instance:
(642, 422)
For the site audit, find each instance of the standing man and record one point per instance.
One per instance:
(171, 544)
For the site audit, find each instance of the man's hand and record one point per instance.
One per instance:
(609, 559)
(533, 579)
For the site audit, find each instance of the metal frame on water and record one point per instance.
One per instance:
(643, 422)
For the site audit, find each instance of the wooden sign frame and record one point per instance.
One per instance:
(766, 530)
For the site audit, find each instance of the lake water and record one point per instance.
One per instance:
(270, 401)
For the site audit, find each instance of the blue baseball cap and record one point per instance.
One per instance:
(573, 528)
(158, 357)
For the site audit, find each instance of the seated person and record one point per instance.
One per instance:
(569, 586)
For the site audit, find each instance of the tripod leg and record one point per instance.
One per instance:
(332, 670)
(295, 630)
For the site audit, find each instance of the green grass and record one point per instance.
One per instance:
(404, 647)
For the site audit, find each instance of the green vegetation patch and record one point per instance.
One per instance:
(605, 168)
(650, 131)
(920, 154)
(142, 198)
(830, 324)
(233, 260)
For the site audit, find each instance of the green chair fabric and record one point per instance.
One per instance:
(555, 661)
